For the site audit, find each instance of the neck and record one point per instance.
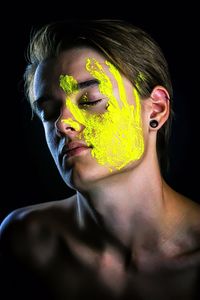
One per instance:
(130, 200)
(140, 211)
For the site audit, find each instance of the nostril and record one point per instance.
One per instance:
(71, 124)
(70, 128)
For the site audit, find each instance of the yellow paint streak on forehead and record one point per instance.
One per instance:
(116, 135)
(68, 84)
(105, 85)
(117, 76)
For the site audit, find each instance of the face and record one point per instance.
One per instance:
(91, 116)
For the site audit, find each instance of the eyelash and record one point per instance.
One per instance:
(47, 116)
(90, 103)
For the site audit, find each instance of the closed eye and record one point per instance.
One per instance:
(90, 103)
(47, 108)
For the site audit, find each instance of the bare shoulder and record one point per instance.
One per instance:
(32, 224)
(45, 252)
(184, 206)
(191, 214)
(184, 217)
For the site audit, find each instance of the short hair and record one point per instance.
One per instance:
(129, 48)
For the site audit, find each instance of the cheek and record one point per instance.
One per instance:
(145, 120)
(51, 139)
(116, 136)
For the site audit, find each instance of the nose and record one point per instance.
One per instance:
(67, 125)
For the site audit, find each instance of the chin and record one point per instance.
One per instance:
(83, 174)
(81, 177)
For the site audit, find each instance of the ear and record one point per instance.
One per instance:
(160, 106)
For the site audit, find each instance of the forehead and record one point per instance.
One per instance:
(70, 62)
(73, 61)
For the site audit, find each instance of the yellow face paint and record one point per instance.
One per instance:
(68, 84)
(116, 135)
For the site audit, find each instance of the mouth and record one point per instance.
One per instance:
(76, 151)
(73, 149)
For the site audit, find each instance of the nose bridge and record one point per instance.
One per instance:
(66, 122)
(65, 113)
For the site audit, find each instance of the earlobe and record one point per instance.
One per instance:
(153, 123)
(159, 107)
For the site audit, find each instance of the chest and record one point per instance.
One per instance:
(76, 269)
(103, 276)
(130, 283)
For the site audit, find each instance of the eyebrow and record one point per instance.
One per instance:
(87, 83)
(36, 103)
(80, 86)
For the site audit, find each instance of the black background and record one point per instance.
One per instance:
(29, 175)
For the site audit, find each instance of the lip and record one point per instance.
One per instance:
(73, 148)
(73, 145)
(76, 151)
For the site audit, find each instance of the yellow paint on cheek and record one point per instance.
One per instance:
(116, 135)
(118, 138)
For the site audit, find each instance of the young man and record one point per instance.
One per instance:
(103, 93)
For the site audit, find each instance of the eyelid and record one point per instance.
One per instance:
(38, 104)
(88, 103)
(45, 111)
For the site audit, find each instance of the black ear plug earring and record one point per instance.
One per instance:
(153, 123)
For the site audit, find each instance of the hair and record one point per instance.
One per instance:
(130, 49)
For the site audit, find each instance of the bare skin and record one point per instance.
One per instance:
(124, 234)
(96, 261)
